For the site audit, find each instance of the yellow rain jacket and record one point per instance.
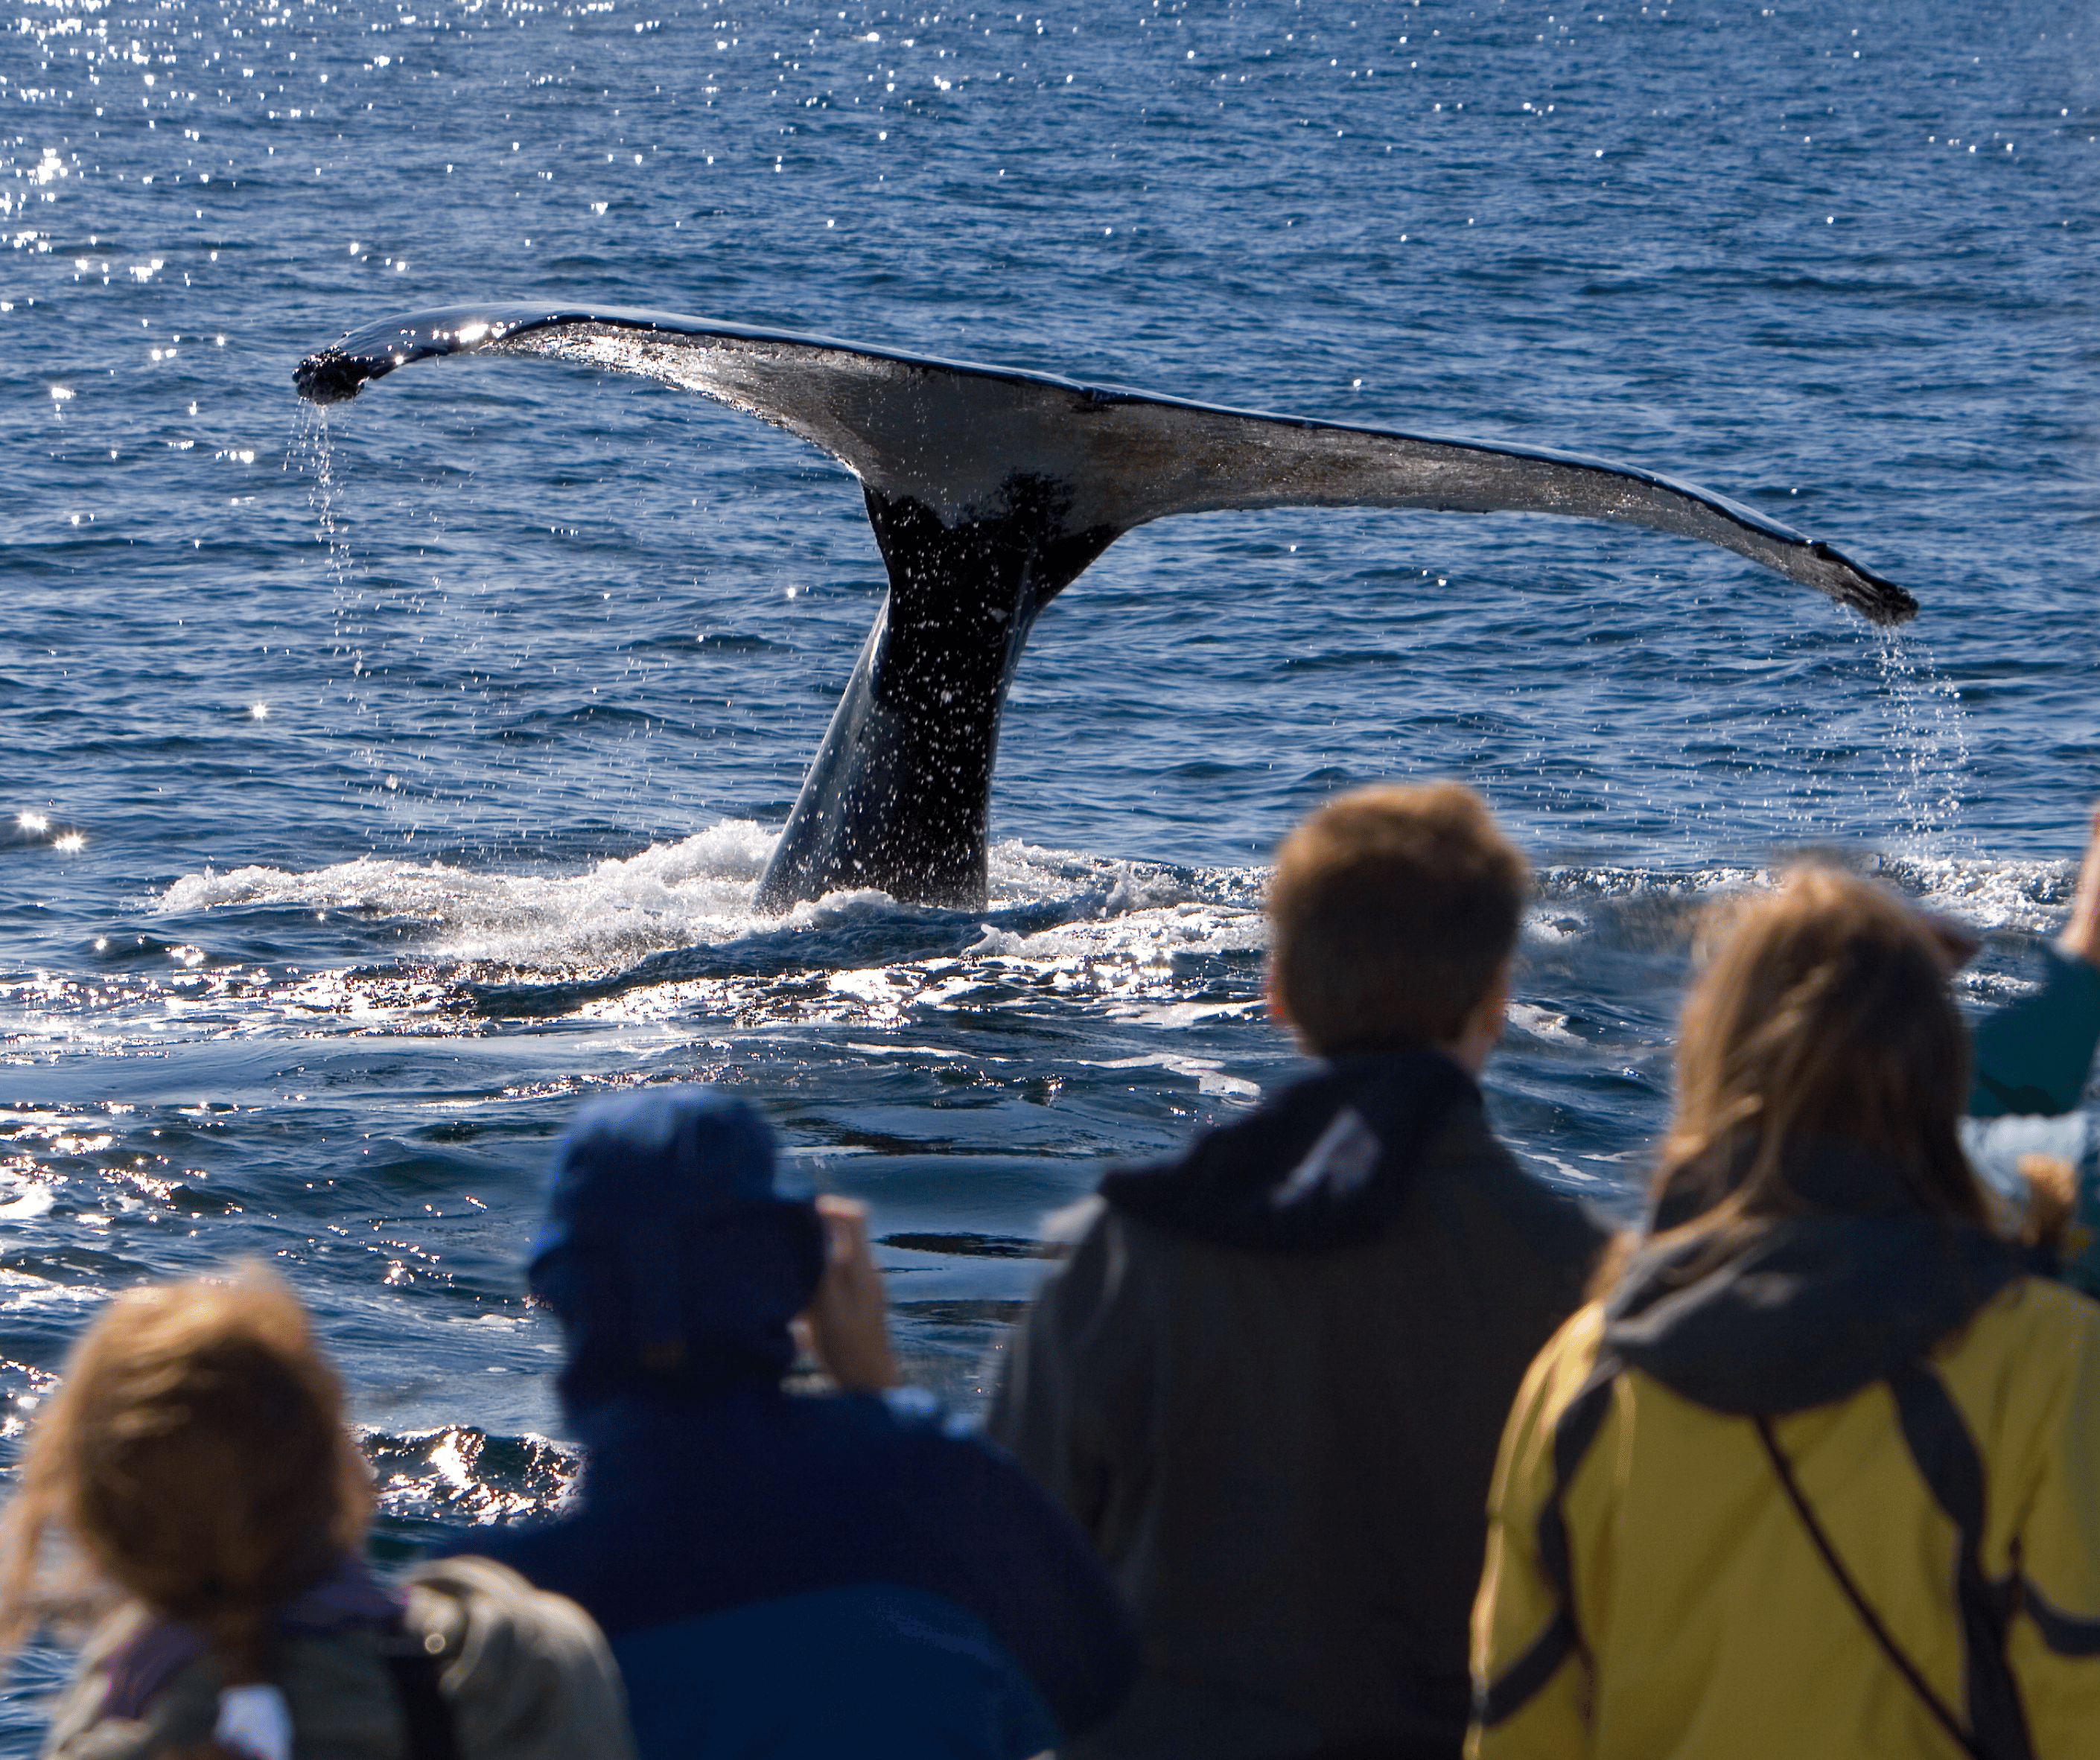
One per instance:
(1652, 1590)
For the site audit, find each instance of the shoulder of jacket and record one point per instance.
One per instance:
(480, 1619)
(1466, 1146)
(1574, 1347)
(527, 1672)
(1467, 1154)
(109, 1633)
(2058, 1304)
(78, 1728)
(1098, 1308)
(1566, 1364)
(1546, 1404)
(1095, 1242)
(2032, 1321)
(1065, 1227)
(2023, 1370)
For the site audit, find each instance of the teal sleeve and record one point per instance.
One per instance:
(2033, 1056)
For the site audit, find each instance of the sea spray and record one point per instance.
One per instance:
(1928, 747)
(313, 453)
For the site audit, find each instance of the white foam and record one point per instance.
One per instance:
(1206, 1071)
(1989, 892)
(30, 1198)
(1135, 933)
(1541, 1023)
(670, 895)
(22, 1293)
(1560, 883)
(2031, 895)
(914, 1051)
(700, 890)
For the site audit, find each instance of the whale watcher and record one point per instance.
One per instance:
(799, 1575)
(1817, 1475)
(1269, 1378)
(2033, 1058)
(195, 1462)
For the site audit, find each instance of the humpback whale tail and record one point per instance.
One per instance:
(990, 491)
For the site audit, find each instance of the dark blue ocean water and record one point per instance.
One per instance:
(376, 786)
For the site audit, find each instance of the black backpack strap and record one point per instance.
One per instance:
(1951, 1464)
(427, 1719)
(1919, 1684)
(1999, 1730)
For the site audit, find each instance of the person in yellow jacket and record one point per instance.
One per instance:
(1821, 1476)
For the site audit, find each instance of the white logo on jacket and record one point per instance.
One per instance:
(1343, 1161)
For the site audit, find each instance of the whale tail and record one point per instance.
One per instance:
(989, 490)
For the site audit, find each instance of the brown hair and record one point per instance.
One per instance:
(196, 1453)
(1823, 1011)
(1393, 909)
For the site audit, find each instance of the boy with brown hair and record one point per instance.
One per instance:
(1270, 1379)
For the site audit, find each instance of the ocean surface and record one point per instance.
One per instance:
(378, 785)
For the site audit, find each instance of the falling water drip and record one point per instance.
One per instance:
(315, 457)
(1928, 749)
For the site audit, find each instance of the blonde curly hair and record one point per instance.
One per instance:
(195, 1455)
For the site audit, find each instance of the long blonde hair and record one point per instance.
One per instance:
(1823, 1013)
(195, 1454)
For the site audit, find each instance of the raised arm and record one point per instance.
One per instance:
(2035, 1055)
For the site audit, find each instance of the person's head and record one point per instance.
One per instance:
(668, 1257)
(1823, 1013)
(1393, 914)
(195, 1453)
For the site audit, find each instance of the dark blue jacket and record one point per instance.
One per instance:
(786, 1575)
(830, 1575)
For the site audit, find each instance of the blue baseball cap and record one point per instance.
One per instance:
(669, 1254)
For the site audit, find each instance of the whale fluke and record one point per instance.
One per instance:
(989, 490)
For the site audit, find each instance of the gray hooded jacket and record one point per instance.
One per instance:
(1270, 1381)
(526, 1675)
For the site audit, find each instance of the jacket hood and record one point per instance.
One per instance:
(1325, 1164)
(1812, 1307)
(158, 1649)
(671, 1259)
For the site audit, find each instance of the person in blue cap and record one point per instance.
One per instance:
(786, 1574)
